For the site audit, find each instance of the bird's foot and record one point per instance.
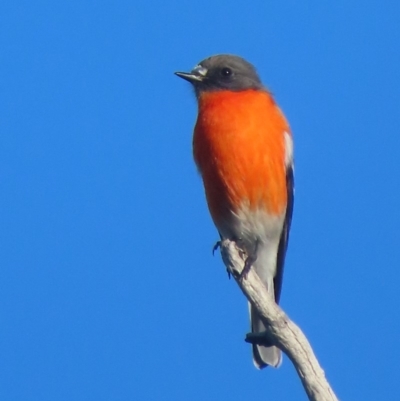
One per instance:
(216, 246)
(248, 263)
(247, 266)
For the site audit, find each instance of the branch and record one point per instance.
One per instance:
(280, 330)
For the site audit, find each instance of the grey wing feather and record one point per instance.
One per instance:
(283, 243)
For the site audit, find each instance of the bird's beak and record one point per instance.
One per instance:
(196, 75)
(188, 76)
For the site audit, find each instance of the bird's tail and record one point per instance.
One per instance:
(264, 355)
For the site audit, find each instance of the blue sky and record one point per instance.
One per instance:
(108, 289)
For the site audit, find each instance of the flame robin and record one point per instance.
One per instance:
(243, 148)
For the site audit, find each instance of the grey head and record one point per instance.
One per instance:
(222, 72)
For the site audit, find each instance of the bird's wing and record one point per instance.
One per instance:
(283, 243)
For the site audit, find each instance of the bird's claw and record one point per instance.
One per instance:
(247, 266)
(248, 263)
(216, 246)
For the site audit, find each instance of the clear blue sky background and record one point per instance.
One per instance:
(108, 289)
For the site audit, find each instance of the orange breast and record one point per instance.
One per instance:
(239, 148)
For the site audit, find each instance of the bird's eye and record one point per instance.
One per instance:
(226, 72)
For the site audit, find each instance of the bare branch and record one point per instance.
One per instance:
(280, 330)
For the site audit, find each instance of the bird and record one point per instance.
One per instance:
(243, 149)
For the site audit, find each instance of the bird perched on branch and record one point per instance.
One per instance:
(243, 148)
